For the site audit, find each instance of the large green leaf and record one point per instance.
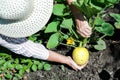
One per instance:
(67, 23)
(100, 45)
(52, 27)
(99, 21)
(58, 9)
(115, 16)
(106, 29)
(53, 40)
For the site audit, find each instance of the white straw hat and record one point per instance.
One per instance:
(22, 18)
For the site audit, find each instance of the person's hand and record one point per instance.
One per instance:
(83, 28)
(56, 57)
(71, 63)
(81, 23)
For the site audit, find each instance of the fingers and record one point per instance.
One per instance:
(74, 65)
(77, 67)
(82, 66)
(84, 29)
(85, 32)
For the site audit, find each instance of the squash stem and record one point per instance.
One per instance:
(80, 44)
(83, 43)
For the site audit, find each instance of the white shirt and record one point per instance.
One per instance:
(24, 47)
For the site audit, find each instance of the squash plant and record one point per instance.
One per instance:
(62, 27)
(61, 30)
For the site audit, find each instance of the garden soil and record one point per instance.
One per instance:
(103, 65)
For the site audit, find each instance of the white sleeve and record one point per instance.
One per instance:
(27, 48)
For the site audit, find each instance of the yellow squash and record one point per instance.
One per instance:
(80, 55)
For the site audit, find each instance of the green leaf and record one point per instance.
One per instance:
(27, 67)
(8, 75)
(65, 36)
(18, 66)
(99, 21)
(27, 70)
(117, 25)
(88, 7)
(36, 62)
(99, 29)
(106, 29)
(33, 37)
(8, 64)
(21, 72)
(53, 40)
(26, 60)
(40, 66)
(78, 3)
(47, 67)
(52, 27)
(34, 67)
(67, 23)
(58, 9)
(15, 78)
(2, 61)
(16, 60)
(100, 45)
(18, 76)
(5, 55)
(115, 16)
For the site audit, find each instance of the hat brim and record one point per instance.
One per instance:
(36, 21)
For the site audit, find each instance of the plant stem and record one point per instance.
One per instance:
(83, 42)
(80, 44)
(102, 36)
(93, 26)
(68, 45)
(74, 33)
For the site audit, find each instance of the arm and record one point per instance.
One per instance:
(35, 50)
(81, 23)
(56, 57)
